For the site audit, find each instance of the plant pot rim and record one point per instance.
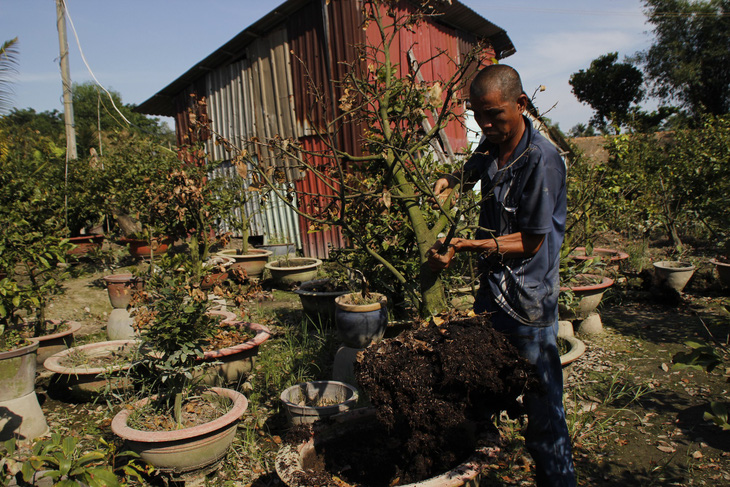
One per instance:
(605, 283)
(311, 263)
(262, 334)
(274, 245)
(252, 254)
(73, 327)
(228, 316)
(290, 454)
(94, 237)
(615, 253)
(164, 239)
(719, 263)
(577, 348)
(17, 352)
(53, 363)
(302, 291)
(342, 406)
(120, 428)
(215, 260)
(122, 277)
(361, 308)
(683, 265)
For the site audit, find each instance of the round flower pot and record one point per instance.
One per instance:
(294, 270)
(86, 244)
(588, 297)
(84, 382)
(723, 271)
(21, 416)
(610, 257)
(55, 342)
(189, 452)
(360, 324)
(279, 250)
(308, 402)
(121, 287)
(318, 300)
(141, 249)
(673, 274)
(217, 268)
(293, 457)
(574, 349)
(231, 364)
(253, 262)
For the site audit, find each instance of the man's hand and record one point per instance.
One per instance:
(437, 261)
(442, 189)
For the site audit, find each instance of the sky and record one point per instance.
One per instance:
(137, 47)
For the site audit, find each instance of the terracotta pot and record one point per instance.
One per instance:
(338, 397)
(21, 416)
(85, 383)
(318, 306)
(253, 262)
(86, 244)
(610, 257)
(589, 297)
(55, 342)
(230, 365)
(673, 274)
(292, 458)
(723, 271)
(294, 270)
(189, 452)
(360, 324)
(121, 287)
(219, 274)
(141, 249)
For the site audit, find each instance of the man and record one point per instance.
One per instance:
(521, 228)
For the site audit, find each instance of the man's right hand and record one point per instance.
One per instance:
(438, 261)
(442, 189)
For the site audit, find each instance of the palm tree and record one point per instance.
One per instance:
(8, 68)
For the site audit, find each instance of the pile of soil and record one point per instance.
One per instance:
(435, 389)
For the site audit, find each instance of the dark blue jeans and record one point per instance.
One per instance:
(547, 438)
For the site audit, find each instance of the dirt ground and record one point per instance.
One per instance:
(634, 418)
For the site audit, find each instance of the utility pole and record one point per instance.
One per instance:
(68, 107)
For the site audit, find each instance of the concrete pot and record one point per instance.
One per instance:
(279, 250)
(723, 271)
(120, 325)
(22, 416)
(84, 382)
(588, 296)
(673, 274)
(360, 324)
(187, 453)
(292, 458)
(121, 287)
(318, 306)
(294, 270)
(253, 262)
(575, 349)
(55, 342)
(335, 397)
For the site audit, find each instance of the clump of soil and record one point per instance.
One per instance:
(435, 389)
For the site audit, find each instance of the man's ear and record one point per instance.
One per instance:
(522, 102)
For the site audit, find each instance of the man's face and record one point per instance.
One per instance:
(499, 119)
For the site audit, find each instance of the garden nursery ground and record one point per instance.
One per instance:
(634, 417)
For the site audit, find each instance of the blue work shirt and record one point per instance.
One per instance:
(527, 195)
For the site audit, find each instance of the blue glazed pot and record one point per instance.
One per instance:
(358, 325)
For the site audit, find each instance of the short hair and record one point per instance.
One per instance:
(497, 77)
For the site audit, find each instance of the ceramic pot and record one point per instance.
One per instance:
(308, 402)
(673, 274)
(21, 416)
(723, 271)
(588, 296)
(253, 262)
(574, 349)
(294, 270)
(141, 249)
(55, 342)
(217, 268)
(318, 305)
(360, 324)
(83, 382)
(279, 250)
(121, 287)
(86, 244)
(187, 453)
(610, 257)
(292, 458)
(228, 366)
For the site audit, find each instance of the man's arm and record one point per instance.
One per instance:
(511, 246)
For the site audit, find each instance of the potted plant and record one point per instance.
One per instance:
(611, 258)
(673, 274)
(361, 318)
(722, 264)
(318, 299)
(279, 246)
(293, 270)
(308, 402)
(175, 327)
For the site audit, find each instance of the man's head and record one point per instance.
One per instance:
(498, 101)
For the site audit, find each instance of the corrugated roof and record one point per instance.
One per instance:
(456, 15)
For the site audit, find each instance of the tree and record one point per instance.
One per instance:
(689, 61)
(609, 88)
(8, 67)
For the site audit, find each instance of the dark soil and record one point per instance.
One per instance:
(435, 389)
